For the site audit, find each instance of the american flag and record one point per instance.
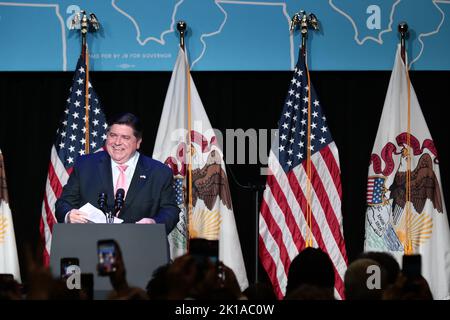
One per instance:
(71, 141)
(284, 220)
(375, 190)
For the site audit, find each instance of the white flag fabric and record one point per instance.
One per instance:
(9, 262)
(397, 219)
(212, 215)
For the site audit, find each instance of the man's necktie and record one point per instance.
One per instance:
(122, 179)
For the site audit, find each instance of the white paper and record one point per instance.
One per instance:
(95, 215)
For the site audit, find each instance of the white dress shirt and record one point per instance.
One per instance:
(131, 163)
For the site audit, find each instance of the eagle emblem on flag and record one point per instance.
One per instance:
(386, 205)
(211, 182)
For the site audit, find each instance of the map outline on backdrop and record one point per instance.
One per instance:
(223, 34)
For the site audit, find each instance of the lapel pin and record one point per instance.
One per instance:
(142, 177)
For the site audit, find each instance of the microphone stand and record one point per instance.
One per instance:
(109, 217)
(257, 188)
(102, 204)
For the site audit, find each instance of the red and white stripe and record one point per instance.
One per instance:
(56, 179)
(283, 227)
(370, 187)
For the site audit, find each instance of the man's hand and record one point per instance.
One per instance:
(146, 221)
(77, 216)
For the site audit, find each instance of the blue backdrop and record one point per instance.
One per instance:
(223, 34)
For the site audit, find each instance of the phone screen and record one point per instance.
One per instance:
(199, 247)
(69, 266)
(106, 250)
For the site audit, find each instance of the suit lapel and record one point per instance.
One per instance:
(104, 168)
(140, 177)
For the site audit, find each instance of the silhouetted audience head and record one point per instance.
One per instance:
(218, 283)
(311, 267)
(364, 279)
(9, 288)
(193, 277)
(410, 285)
(408, 288)
(260, 291)
(310, 292)
(387, 262)
(157, 286)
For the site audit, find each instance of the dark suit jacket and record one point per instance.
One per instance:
(150, 195)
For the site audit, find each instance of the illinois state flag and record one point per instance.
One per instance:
(212, 215)
(9, 263)
(406, 210)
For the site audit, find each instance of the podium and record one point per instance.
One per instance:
(144, 248)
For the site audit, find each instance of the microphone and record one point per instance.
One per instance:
(102, 199)
(119, 201)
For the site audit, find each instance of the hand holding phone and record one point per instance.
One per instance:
(107, 255)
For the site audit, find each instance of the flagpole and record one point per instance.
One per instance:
(408, 249)
(85, 25)
(181, 27)
(403, 30)
(307, 21)
(84, 31)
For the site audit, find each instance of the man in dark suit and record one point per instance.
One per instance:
(149, 193)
